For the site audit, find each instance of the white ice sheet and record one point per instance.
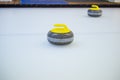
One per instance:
(25, 53)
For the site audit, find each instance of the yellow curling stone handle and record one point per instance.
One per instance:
(60, 28)
(94, 7)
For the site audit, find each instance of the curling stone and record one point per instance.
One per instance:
(60, 35)
(94, 11)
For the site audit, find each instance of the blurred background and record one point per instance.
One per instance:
(61, 2)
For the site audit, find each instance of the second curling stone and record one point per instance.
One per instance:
(60, 35)
(94, 11)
